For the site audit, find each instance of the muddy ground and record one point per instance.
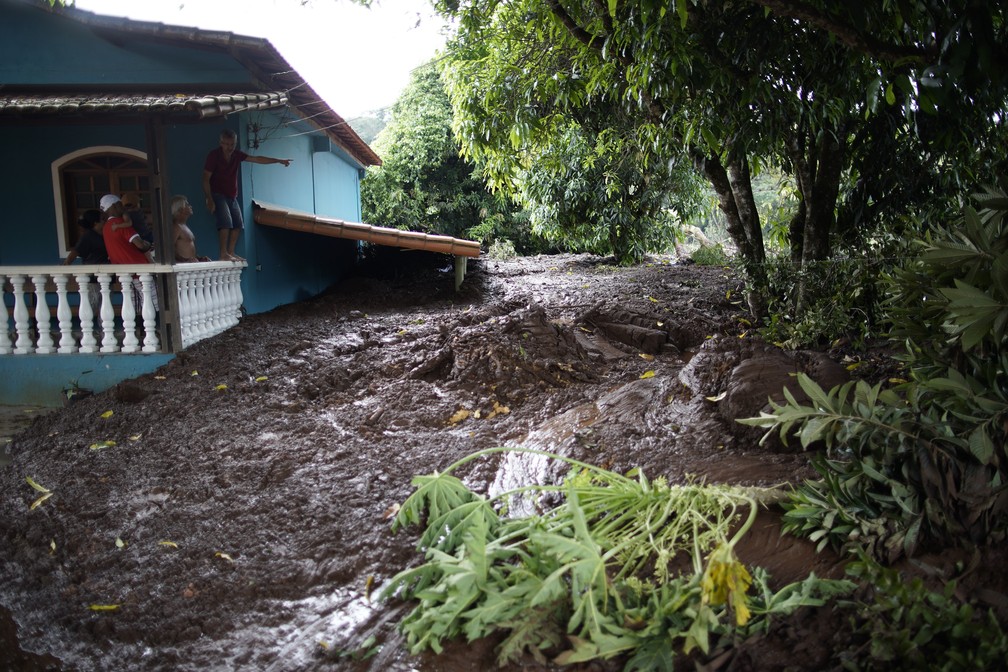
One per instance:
(239, 521)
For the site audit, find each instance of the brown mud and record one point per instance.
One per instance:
(233, 506)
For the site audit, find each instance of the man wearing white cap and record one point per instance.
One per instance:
(124, 244)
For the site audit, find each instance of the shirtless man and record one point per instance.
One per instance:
(185, 241)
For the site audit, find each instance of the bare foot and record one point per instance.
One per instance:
(228, 257)
(235, 257)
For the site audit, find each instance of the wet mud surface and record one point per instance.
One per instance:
(234, 506)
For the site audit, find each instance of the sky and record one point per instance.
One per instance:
(358, 59)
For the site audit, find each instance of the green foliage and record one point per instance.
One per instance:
(592, 176)
(593, 577)
(905, 626)
(925, 460)
(843, 296)
(710, 255)
(423, 184)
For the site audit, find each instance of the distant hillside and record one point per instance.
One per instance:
(370, 124)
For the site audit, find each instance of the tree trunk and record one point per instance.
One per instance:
(735, 198)
(817, 164)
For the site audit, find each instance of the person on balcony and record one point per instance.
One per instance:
(137, 217)
(220, 187)
(124, 244)
(90, 247)
(185, 240)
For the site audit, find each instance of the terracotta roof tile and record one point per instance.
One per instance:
(256, 54)
(118, 103)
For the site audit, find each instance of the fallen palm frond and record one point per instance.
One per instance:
(617, 568)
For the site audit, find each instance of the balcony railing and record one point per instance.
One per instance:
(47, 312)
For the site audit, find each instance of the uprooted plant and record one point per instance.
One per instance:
(622, 566)
(924, 460)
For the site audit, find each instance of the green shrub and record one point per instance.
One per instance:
(925, 460)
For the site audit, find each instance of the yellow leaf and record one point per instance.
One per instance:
(52, 546)
(367, 587)
(194, 373)
(165, 542)
(851, 367)
(647, 374)
(221, 387)
(103, 607)
(103, 444)
(897, 381)
(660, 323)
(260, 379)
(323, 645)
(459, 416)
(39, 501)
(120, 543)
(477, 414)
(107, 414)
(136, 437)
(718, 397)
(646, 356)
(32, 483)
(651, 298)
(224, 556)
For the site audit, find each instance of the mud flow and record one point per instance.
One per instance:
(231, 510)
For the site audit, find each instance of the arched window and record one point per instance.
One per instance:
(81, 178)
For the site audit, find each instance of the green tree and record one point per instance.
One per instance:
(423, 184)
(582, 168)
(843, 99)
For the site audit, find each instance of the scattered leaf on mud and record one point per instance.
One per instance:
(32, 483)
(107, 414)
(160, 378)
(647, 374)
(260, 379)
(194, 373)
(651, 298)
(459, 416)
(224, 556)
(660, 323)
(39, 501)
(851, 367)
(717, 398)
(323, 645)
(103, 607)
(498, 410)
(120, 543)
(136, 437)
(104, 444)
(221, 387)
(52, 547)
(391, 511)
(368, 585)
(165, 542)
(646, 356)
(897, 381)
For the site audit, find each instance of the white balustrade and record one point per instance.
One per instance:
(88, 309)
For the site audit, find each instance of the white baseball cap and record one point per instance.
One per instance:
(107, 201)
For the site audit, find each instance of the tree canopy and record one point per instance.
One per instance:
(423, 184)
(875, 110)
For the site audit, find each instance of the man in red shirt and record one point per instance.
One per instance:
(124, 244)
(220, 187)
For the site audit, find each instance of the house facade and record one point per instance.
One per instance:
(91, 105)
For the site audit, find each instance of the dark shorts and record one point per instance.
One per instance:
(227, 212)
